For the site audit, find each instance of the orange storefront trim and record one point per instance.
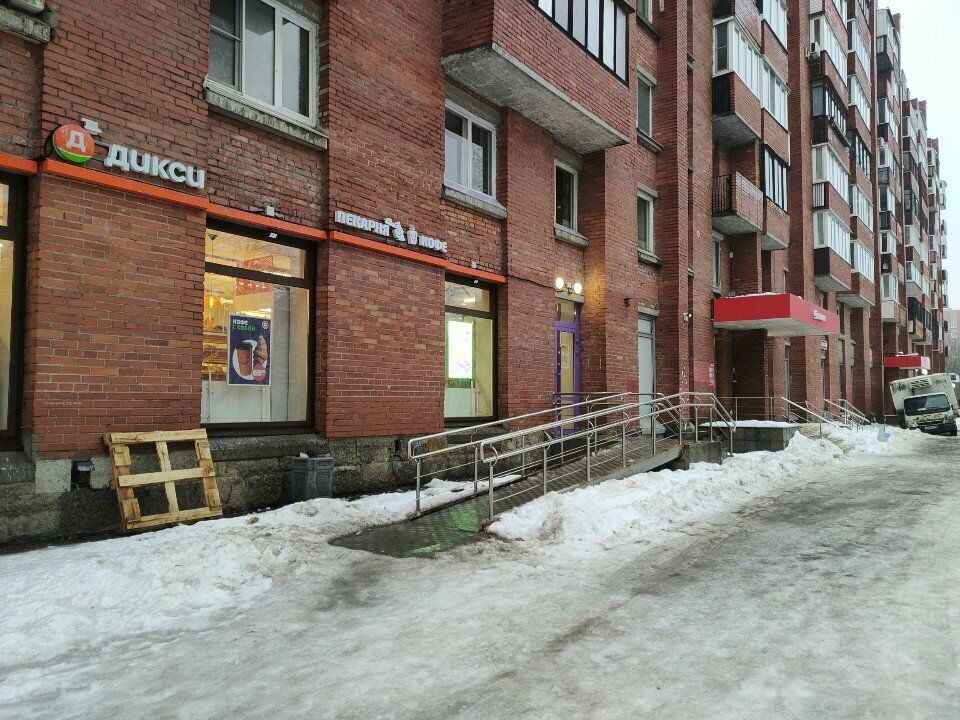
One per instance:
(17, 164)
(202, 203)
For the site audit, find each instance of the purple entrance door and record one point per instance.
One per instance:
(566, 364)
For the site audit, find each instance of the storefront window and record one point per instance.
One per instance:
(470, 352)
(10, 261)
(256, 330)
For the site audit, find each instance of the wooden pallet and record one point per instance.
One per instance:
(124, 481)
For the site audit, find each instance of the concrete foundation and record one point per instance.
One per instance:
(753, 439)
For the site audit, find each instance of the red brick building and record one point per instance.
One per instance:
(323, 227)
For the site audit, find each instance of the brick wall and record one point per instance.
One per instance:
(114, 317)
(20, 90)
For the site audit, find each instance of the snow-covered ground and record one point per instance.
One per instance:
(76, 616)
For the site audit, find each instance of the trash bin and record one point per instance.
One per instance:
(311, 477)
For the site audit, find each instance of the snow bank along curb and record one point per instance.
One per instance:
(61, 599)
(638, 507)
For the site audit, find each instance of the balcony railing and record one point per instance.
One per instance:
(737, 204)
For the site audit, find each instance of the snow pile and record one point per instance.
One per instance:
(632, 509)
(59, 599)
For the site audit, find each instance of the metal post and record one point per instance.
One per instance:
(623, 444)
(490, 495)
(523, 456)
(418, 487)
(588, 458)
(544, 470)
(476, 468)
(653, 429)
(696, 423)
(736, 409)
(711, 423)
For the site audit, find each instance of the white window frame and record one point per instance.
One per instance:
(575, 210)
(860, 206)
(281, 12)
(863, 260)
(829, 42)
(472, 120)
(645, 10)
(775, 13)
(774, 94)
(830, 170)
(649, 199)
(858, 97)
(858, 44)
(830, 231)
(743, 56)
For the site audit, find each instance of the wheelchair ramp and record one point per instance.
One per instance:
(462, 523)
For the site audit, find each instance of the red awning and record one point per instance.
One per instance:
(781, 315)
(907, 362)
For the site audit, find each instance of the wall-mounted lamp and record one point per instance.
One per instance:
(575, 288)
(687, 317)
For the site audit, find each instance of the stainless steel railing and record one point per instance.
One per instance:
(605, 428)
(461, 457)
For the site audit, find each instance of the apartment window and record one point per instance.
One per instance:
(470, 152)
(644, 106)
(598, 26)
(858, 44)
(828, 167)
(858, 97)
(822, 34)
(257, 329)
(645, 224)
(827, 104)
(566, 190)
(775, 13)
(734, 50)
(858, 151)
(717, 258)
(860, 206)
(644, 9)
(470, 390)
(774, 95)
(267, 53)
(862, 260)
(888, 243)
(890, 287)
(774, 178)
(830, 231)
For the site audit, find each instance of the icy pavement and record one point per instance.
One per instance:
(814, 583)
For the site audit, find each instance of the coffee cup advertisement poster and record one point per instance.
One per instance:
(249, 351)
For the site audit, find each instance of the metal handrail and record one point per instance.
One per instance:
(504, 422)
(854, 412)
(419, 454)
(808, 412)
(617, 417)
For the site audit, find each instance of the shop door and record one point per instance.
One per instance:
(647, 357)
(567, 357)
(12, 194)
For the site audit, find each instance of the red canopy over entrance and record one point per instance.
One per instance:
(781, 315)
(907, 362)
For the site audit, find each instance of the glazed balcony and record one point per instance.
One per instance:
(894, 312)
(737, 113)
(737, 205)
(513, 54)
(822, 66)
(745, 11)
(776, 227)
(888, 50)
(832, 273)
(826, 197)
(825, 130)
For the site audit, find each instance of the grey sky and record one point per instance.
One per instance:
(931, 60)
